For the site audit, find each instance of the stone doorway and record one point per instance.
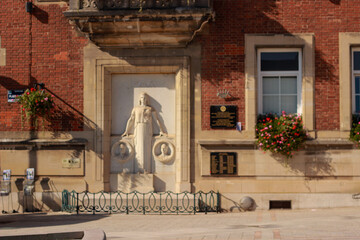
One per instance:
(100, 68)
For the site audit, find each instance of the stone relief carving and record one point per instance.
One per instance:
(123, 151)
(89, 4)
(125, 4)
(141, 121)
(165, 149)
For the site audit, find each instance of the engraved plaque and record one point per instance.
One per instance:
(223, 163)
(71, 163)
(223, 116)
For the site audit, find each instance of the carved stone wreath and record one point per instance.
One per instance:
(163, 157)
(122, 151)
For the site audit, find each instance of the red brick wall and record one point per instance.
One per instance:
(41, 47)
(223, 48)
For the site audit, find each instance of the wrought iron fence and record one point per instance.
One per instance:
(136, 202)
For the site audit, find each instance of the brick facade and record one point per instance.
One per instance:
(223, 48)
(41, 48)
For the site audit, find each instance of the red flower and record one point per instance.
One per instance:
(32, 89)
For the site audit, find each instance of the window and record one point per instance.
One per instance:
(356, 79)
(279, 86)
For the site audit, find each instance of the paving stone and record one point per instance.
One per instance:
(327, 224)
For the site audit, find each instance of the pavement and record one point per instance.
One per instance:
(306, 224)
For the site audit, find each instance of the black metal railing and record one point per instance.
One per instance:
(144, 203)
(140, 4)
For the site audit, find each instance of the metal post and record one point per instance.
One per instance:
(144, 203)
(177, 203)
(194, 203)
(218, 202)
(160, 203)
(110, 204)
(206, 202)
(94, 204)
(77, 203)
(127, 203)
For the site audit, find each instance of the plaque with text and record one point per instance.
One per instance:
(13, 94)
(223, 116)
(223, 163)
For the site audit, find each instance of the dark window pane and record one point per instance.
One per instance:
(279, 61)
(356, 60)
(357, 85)
(357, 104)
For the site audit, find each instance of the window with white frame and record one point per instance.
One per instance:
(279, 86)
(356, 79)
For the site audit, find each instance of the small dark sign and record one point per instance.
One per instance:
(12, 94)
(223, 163)
(223, 116)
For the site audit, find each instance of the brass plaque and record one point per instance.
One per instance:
(223, 116)
(223, 163)
(71, 163)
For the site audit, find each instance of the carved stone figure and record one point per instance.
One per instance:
(141, 121)
(123, 151)
(167, 151)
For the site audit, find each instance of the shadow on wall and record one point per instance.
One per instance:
(40, 14)
(64, 120)
(11, 84)
(311, 164)
(65, 117)
(336, 2)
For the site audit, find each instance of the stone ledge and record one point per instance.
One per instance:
(328, 144)
(251, 144)
(30, 143)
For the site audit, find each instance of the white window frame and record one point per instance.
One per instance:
(262, 74)
(354, 73)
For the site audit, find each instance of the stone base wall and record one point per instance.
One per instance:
(230, 202)
(16, 202)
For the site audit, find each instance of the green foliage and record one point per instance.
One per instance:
(280, 134)
(355, 129)
(35, 103)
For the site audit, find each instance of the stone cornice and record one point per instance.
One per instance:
(148, 27)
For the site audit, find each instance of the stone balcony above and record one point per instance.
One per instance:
(140, 23)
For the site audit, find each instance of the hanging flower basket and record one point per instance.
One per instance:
(280, 134)
(35, 103)
(355, 129)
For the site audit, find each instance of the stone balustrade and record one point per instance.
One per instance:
(136, 4)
